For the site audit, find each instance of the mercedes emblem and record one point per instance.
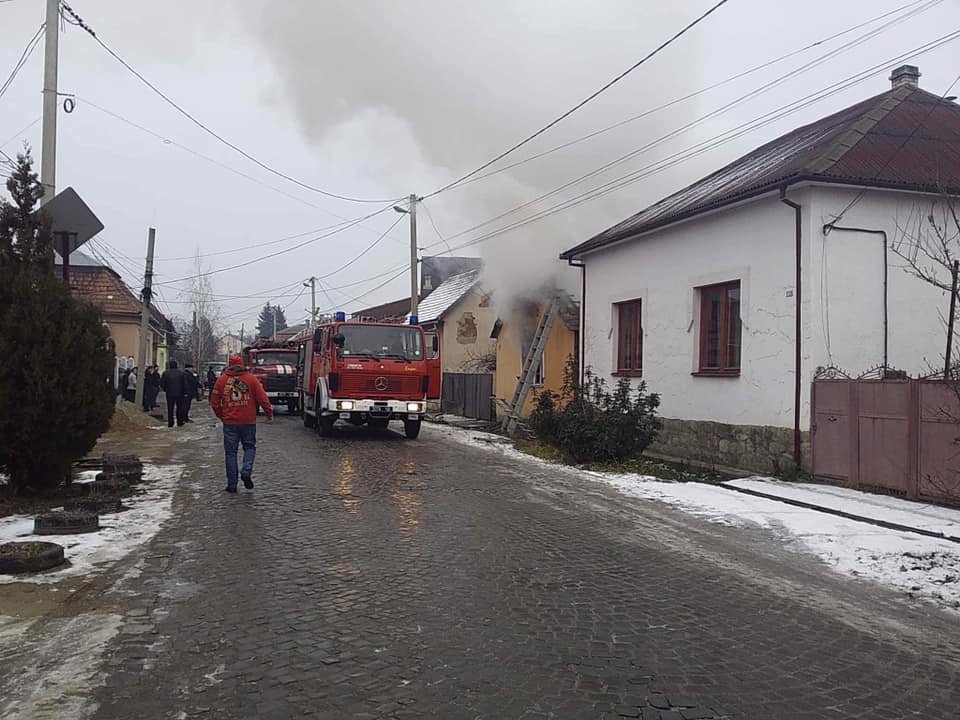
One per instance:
(380, 383)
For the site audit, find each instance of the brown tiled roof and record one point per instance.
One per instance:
(102, 287)
(904, 139)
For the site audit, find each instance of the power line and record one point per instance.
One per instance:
(586, 100)
(19, 133)
(732, 78)
(24, 56)
(434, 225)
(676, 158)
(367, 249)
(79, 22)
(279, 252)
(706, 145)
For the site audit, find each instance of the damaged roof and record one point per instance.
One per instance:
(904, 139)
(447, 294)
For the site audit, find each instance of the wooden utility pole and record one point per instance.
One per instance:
(145, 316)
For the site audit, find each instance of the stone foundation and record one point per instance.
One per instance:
(742, 448)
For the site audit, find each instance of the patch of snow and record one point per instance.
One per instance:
(62, 673)
(932, 518)
(119, 533)
(86, 476)
(922, 566)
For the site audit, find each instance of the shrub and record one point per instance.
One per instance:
(55, 365)
(590, 423)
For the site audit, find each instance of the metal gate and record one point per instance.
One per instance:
(896, 436)
(468, 394)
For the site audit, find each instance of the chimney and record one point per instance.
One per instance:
(905, 75)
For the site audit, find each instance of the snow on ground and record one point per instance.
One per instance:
(921, 566)
(119, 532)
(933, 518)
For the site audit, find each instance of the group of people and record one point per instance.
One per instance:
(181, 388)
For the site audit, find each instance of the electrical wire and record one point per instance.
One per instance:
(708, 144)
(279, 252)
(24, 56)
(586, 100)
(676, 101)
(367, 249)
(434, 225)
(18, 133)
(236, 148)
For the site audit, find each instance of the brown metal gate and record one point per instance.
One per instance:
(897, 436)
(468, 394)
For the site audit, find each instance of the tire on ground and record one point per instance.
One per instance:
(34, 556)
(66, 522)
(411, 428)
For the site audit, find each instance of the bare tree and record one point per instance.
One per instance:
(200, 331)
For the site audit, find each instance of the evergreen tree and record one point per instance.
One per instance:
(265, 326)
(56, 363)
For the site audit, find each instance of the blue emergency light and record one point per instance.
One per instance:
(340, 316)
(414, 320)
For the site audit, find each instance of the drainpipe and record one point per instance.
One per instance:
(583, 317)
(883, 234)
(797, 456)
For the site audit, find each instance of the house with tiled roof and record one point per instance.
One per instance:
(726, 296)
(120, 309)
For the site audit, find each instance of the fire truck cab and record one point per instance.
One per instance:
(365, 374)
(275, 366)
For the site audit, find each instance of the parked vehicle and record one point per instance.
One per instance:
(364, 374)
(275, 366)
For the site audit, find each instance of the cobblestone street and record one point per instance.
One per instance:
(367, 576)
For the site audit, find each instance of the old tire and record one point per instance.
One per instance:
(411, 428)
(98, 505)
(66, 522)
(106, 487)
(34, 556)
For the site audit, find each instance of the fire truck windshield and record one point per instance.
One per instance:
(275, 358)
(380, 341)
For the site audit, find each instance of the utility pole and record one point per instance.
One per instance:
(312, 282)
(242, 326)
(275, 322)
(48, 145)
(145, 315)
(414, 285)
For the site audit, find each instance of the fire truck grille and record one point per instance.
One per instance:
(281, 383)
(400, 384)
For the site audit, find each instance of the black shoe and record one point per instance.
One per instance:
(247, 481)
(231, 489)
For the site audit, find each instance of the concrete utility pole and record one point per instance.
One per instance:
(414, 285)
(312, 282)
(48, 145)
(242, 327)
(145, 316)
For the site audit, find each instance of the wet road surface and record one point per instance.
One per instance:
(368, 576)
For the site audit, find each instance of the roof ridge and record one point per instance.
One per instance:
(834, 152)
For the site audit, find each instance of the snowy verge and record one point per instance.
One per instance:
(119, 532)
(884, 508)
(921, 566)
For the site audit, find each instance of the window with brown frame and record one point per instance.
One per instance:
(720, 329)
(629, 337)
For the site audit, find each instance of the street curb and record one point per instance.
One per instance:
(841, 513)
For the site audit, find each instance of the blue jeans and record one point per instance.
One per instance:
(233, 437)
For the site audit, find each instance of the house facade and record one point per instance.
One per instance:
(727, 296)
(120, 310)
(514, 332)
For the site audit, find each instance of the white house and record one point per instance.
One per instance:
(726, 296)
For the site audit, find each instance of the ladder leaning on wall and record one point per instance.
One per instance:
(531, 362)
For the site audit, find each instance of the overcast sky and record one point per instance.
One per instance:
(380, 98)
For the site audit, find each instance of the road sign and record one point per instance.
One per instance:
(70, 219)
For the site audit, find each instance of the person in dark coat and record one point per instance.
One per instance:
(211, 379)
(150, 379)
(173, 384)
(191, 390)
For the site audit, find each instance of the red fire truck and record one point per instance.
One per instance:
(364, 374)
(275, 366)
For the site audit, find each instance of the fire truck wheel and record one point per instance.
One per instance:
(325, 426)
(411, 428)
(378, 424)
(309, 421)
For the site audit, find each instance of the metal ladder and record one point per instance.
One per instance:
(531, 362)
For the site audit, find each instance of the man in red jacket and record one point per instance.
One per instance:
(234, 400)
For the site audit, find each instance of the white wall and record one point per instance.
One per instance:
(846, 279)
(753, 243)
(842, 294)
